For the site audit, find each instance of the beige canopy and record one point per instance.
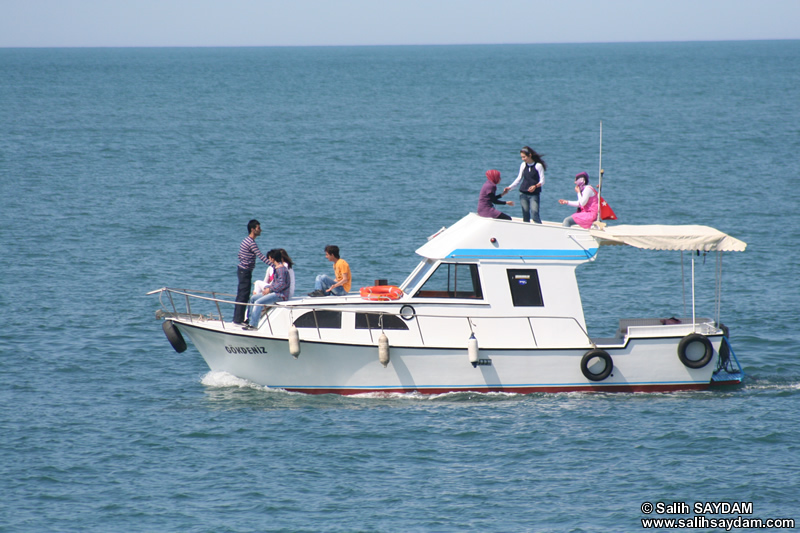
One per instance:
(658, 237)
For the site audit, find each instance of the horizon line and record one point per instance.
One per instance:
(687, 41)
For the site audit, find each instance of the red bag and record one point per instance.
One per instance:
(606, 212)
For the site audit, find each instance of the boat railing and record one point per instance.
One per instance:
(197, 305)
(170, 308)
(170, 299)
(473, 320)
(650, 326)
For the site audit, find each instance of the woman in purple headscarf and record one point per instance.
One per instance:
(587, 203)
(488, 197)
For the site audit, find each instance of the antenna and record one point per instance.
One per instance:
(600, 181)
(600, 169)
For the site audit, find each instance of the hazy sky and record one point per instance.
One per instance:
(364, 22)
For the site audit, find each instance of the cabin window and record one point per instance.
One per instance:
(373, 321)
(525, 288)
(452, 280)
(320, 319)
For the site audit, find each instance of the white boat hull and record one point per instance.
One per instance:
(643, 364)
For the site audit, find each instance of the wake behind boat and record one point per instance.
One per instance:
(494, 305)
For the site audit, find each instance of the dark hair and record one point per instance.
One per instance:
(285, 257)
(333, 250)
(253, 224)
(275, 254)
(536, 157)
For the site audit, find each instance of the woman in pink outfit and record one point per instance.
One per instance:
(587, 203)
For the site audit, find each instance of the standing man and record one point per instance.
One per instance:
(324, 284)
(248, 251)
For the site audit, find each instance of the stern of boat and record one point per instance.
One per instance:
(728, 371)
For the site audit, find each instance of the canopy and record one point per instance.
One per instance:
(662, 237)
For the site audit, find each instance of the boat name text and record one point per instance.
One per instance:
(248, 350)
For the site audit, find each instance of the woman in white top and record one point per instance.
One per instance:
(530, 181)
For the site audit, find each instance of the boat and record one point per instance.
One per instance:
(493, 306)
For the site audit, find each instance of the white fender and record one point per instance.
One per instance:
(383, 349)
(472, 350)
(294, 341)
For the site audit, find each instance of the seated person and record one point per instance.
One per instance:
(586, 203)
(268, 277)
(325, 285)
(259, 284)
(290, 265)
(278, 290)
(488, 196)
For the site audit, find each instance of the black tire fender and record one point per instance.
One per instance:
(174, 336)
(589, 359)
(687, 342)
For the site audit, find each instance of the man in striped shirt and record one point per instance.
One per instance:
(248, 251)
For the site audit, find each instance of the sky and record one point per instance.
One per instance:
(123, 23)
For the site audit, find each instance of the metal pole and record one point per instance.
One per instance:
(221, 319)
(719, 288)
(694, 321)
(683, 284)
(600, 173)
(600, 166)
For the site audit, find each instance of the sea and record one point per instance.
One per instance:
(126, 170)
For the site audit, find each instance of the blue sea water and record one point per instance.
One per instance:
(125, 170)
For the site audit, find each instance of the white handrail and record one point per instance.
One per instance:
(195, 294)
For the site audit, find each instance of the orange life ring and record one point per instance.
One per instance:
(381, 293)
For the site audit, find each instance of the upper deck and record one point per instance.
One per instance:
(475, 238)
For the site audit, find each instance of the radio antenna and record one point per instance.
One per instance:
(600, 180)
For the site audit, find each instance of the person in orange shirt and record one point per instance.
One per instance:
(325, 285)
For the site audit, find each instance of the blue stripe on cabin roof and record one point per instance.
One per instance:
(498, 253)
